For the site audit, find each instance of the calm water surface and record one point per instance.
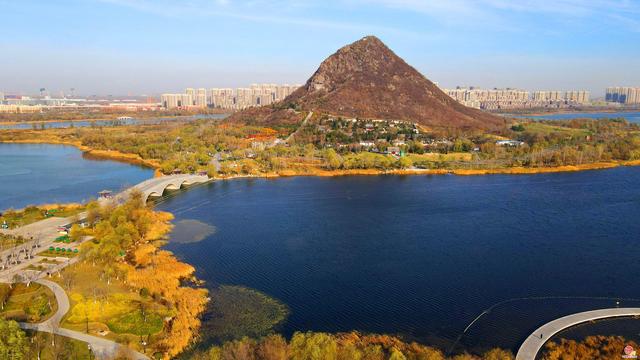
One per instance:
(633, 117)
(38, 174)
(115, 122)
(423, 256)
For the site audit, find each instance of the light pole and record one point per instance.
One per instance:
(144, 344)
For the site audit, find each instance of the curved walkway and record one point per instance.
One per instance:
(536, 341)
(101, 348)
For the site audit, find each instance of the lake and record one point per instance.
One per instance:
(32, 174)
(101, 123)
(422, 256)
(633, 117)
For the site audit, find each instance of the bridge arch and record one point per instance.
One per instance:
(159, 190)
(156, 187)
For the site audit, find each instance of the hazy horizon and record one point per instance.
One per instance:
(135, 47)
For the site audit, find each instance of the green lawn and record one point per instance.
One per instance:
(34, 303)
(135, 323)
(545, 129)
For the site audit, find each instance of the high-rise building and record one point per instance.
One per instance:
(514, 98)
(623, 95)
(549, 96)
(240, 98)
(201, 98)
(169, 101)
(579, 96)
(192, 95)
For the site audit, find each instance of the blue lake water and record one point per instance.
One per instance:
(423, 256)
(416, 256)
(630, 116)
(32, 174)
(99, 123)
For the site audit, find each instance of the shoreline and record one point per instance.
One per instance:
(136, 159)
(538, 113)
(177, 117)
(152, 164)
(100, 154)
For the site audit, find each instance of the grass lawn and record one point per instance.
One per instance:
(34, 303)
(136, 324)
(545, 129)
(32, 214)
(66, 348)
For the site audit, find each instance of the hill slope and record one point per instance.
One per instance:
(368, 80)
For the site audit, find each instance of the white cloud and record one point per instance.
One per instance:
(288, 12)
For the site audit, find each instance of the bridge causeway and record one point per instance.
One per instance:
(532, 345)
(156, 187)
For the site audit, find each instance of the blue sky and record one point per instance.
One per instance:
(152, 46)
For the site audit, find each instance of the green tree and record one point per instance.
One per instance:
(405, 163)
(334, 161)
(76, 233)
(13, 341)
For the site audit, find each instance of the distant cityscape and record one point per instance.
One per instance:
(496, 99)
(623, 95)
(227, 98)
(266, 94)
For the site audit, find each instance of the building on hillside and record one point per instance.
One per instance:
(514, 143)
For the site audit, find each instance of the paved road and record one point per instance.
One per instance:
(304, 122)
(101, 348)
(536, 341)
(44, 233)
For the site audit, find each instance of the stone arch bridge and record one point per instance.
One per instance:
(157, 186)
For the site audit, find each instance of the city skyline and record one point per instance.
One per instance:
(147, 47)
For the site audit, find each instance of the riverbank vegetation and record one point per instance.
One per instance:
(593, 347)
(126, 288)
(327, 145)
(100, 114)
(341, 346)
(237, 312)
